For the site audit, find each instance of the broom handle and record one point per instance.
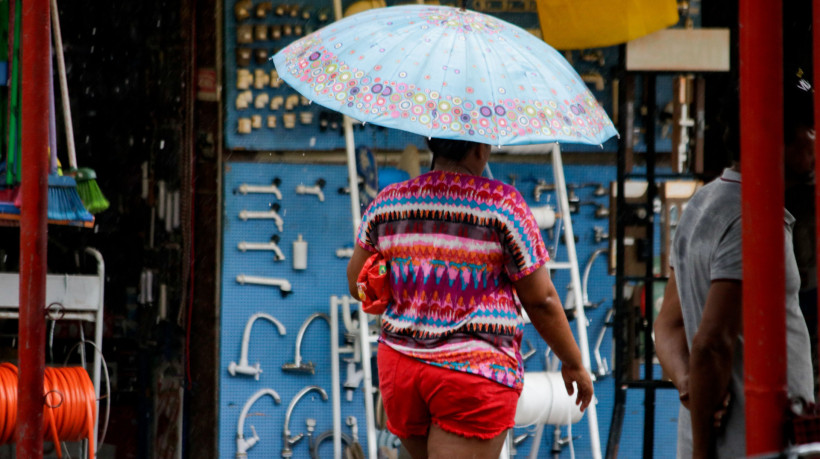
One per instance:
(14, 60)
(52, 119)
(58, 51)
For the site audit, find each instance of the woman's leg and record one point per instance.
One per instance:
(445, 445)
(416, 446)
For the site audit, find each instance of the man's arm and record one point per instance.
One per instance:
(670, 340)
(710, 362)
(540, 300)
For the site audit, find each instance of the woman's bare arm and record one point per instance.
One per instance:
(540, 300)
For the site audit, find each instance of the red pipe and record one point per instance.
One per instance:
(816, 49)
(764, 279)
(33, 226)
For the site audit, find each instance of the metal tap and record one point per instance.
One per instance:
(297, 365)
(289, 440)
(541, 187)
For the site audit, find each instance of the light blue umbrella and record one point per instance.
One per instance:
(445, 72)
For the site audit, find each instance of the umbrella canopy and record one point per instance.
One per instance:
(445, 72)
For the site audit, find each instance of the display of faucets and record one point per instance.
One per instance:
(272, 245)
(297, 366)
(273, 188)
(243, 444)
(264, 214)
(542, 186)
(289, 440)
(316, 189)
(243, 367)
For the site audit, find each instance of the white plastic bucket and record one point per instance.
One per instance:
(544, 400)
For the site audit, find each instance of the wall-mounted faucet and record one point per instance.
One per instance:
(540, 188)
(344, 252)
(289, 440)
(243, 367)
(284, 285)
(525, 355)
(272, 245)
(599, 234)
(601, 211)
(269, 214)
(585, 278)
(273, 188)
(297, 366)
(315, 189)
(242, 444)
(602, 365)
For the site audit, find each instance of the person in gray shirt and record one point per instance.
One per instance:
(698, 332)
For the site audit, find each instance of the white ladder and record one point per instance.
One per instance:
(575, 275)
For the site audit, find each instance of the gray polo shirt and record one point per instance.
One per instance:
(707, 247)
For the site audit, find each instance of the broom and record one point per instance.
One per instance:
(87, 187)
(64, 202)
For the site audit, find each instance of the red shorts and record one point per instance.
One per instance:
(416, 394)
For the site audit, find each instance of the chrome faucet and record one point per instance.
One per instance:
(541, 187)
(289, 440)
(297, 365)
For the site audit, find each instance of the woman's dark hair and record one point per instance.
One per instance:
(454, 150)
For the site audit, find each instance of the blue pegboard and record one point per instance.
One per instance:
(324, 131)
(327, 226)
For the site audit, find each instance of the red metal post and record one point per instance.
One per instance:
(816, 49)
(33, 227)
(764, 279)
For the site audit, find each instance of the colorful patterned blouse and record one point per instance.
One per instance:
(455, 243)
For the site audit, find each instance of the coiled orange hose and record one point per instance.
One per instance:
(70, 405)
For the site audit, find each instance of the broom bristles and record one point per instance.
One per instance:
(90, 191)
(64, 201)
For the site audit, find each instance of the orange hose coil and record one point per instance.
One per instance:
(70, 405)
